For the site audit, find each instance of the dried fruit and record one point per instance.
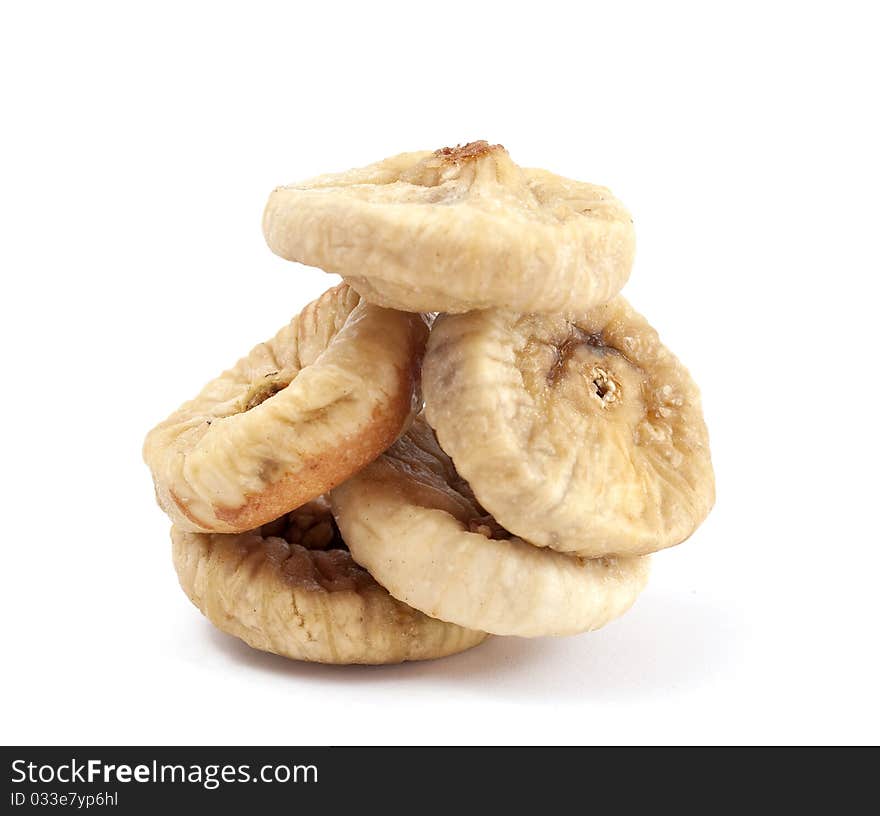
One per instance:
(457, 229)
(315, 605)
(295, 417)
(414, 524)
(583, 434)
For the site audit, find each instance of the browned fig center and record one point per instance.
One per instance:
(468, 152)
(565, 350)
(606, 387)
(314, 553)
(262, 390)
(312, 526)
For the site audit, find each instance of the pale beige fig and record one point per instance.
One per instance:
(584, 434)
(457, 229)
(292, 588)
(298, 415)
(413, 522)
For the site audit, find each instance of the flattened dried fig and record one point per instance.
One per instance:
(457, 229)
(582, 434)
(295, 417)
(315, 605)
(414, 524)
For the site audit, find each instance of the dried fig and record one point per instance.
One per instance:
(413, 522)
(315, 605)
(298, 415)
(583, 434)
(457, 229)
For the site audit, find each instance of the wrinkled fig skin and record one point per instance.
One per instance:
(298, 415)
(412, 522)
(582, 434)
(457, 229)
(306, 604)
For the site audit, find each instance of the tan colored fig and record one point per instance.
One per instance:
(307, 604)
(457, 229)
(412, 522)
(583, 434)
(298, 415)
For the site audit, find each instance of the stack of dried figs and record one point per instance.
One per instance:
(473, 434)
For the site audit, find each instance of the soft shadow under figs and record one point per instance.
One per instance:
(666, 643)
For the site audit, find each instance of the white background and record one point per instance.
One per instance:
(138, 148)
